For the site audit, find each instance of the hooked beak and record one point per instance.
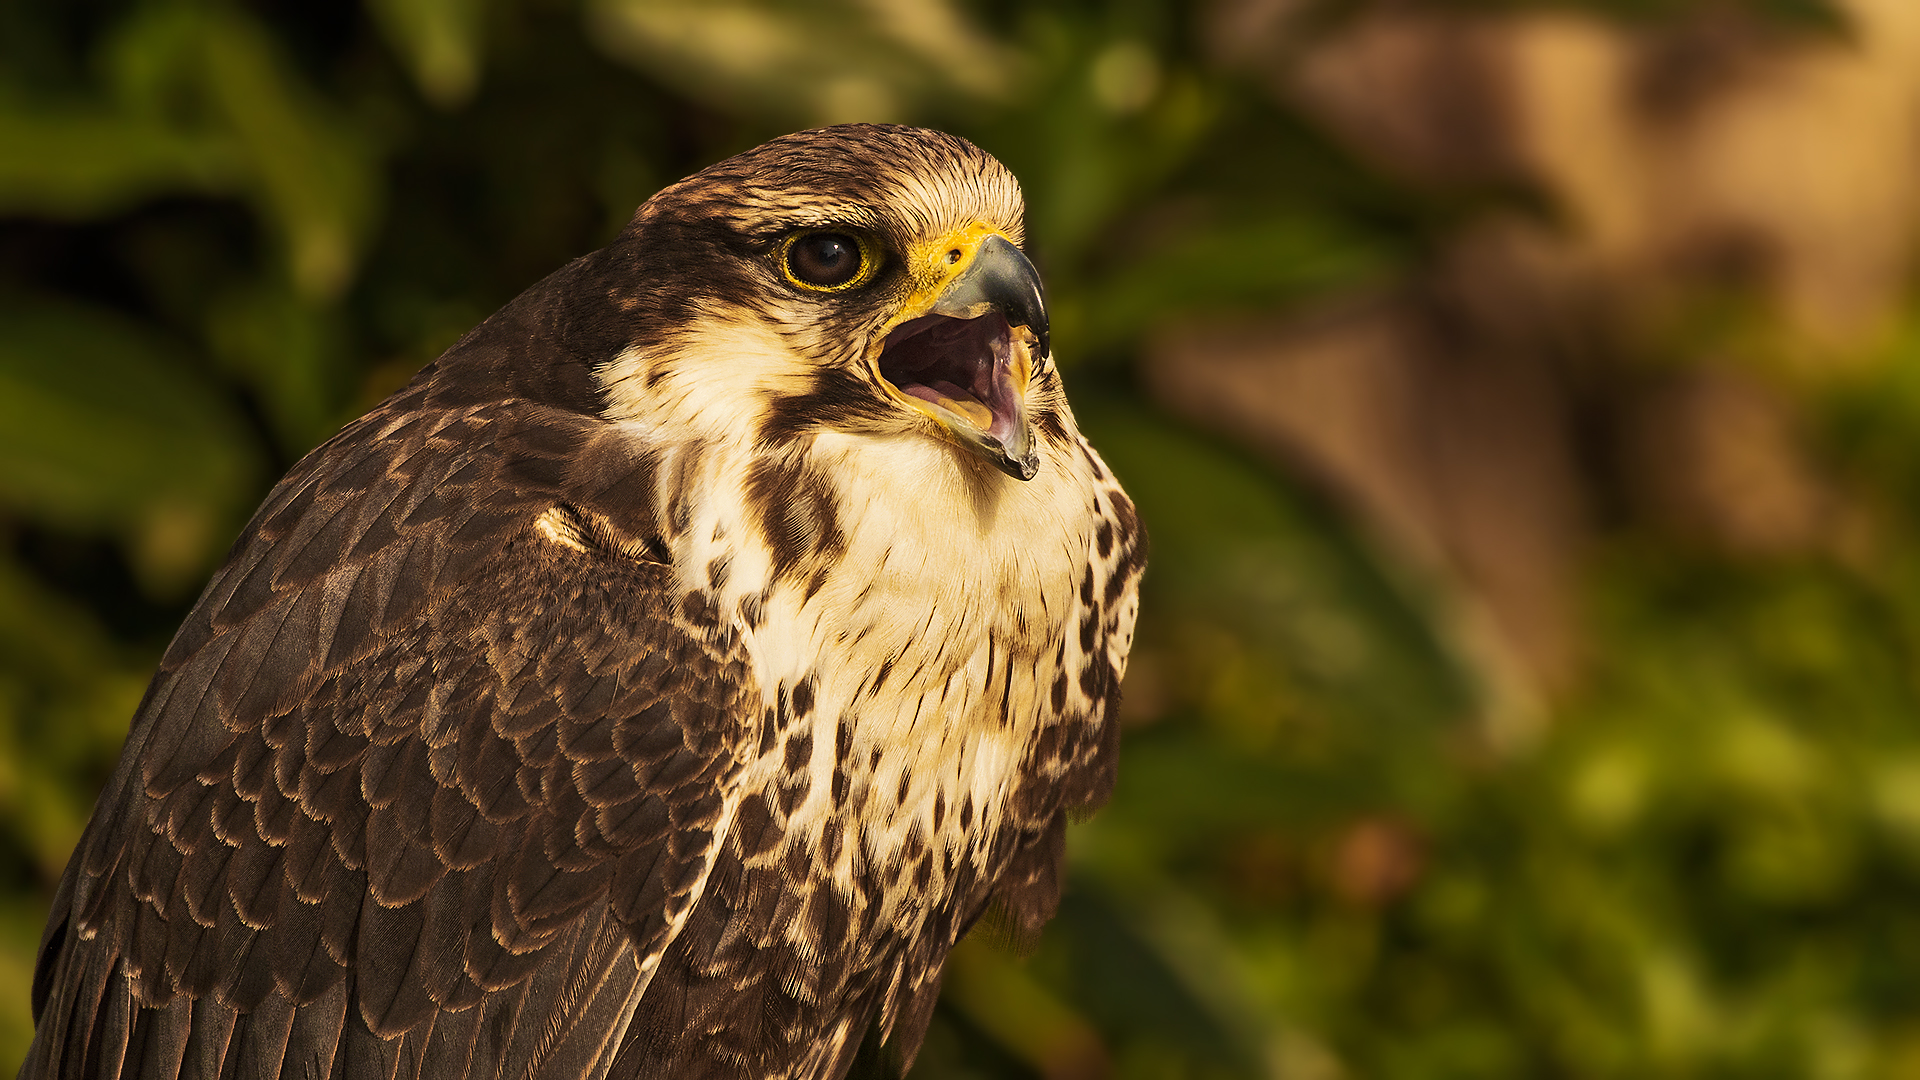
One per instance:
(965, 357)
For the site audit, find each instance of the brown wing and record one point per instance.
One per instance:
(417, 787)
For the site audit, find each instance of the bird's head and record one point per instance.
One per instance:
(859, 278)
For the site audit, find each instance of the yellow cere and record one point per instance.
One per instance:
(934, 265)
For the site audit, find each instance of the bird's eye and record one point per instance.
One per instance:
(827, 261)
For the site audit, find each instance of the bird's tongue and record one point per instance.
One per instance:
(954, 399)
(961, 366)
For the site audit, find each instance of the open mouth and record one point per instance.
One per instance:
(963, 368)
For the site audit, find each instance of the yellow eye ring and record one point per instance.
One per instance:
(828, 260)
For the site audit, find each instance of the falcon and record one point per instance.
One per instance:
(659, 685)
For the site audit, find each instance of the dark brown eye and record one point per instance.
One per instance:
(825, 260)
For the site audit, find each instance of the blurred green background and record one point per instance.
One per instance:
(1523, 397)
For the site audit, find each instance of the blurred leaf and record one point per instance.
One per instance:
(66, 693)
(811, 63)
(78, 161)
(1235, 547)
(441, 42)
(104, 428)
(1258, 263)
(310, 171)
(286, 349)
(1109, 120)
(1022, 1015)
(20, 922)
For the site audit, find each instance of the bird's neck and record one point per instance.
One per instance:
(905, 628)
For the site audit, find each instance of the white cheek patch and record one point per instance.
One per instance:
(695, 387)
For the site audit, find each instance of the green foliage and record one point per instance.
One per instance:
(226, 229)
(105, 428)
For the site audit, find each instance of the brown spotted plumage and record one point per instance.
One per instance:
(659, 685)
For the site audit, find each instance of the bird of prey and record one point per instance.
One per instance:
(659, 685)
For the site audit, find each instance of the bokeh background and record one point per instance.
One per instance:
(1524, 399)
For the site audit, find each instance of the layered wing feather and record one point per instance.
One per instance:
(422, 785)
